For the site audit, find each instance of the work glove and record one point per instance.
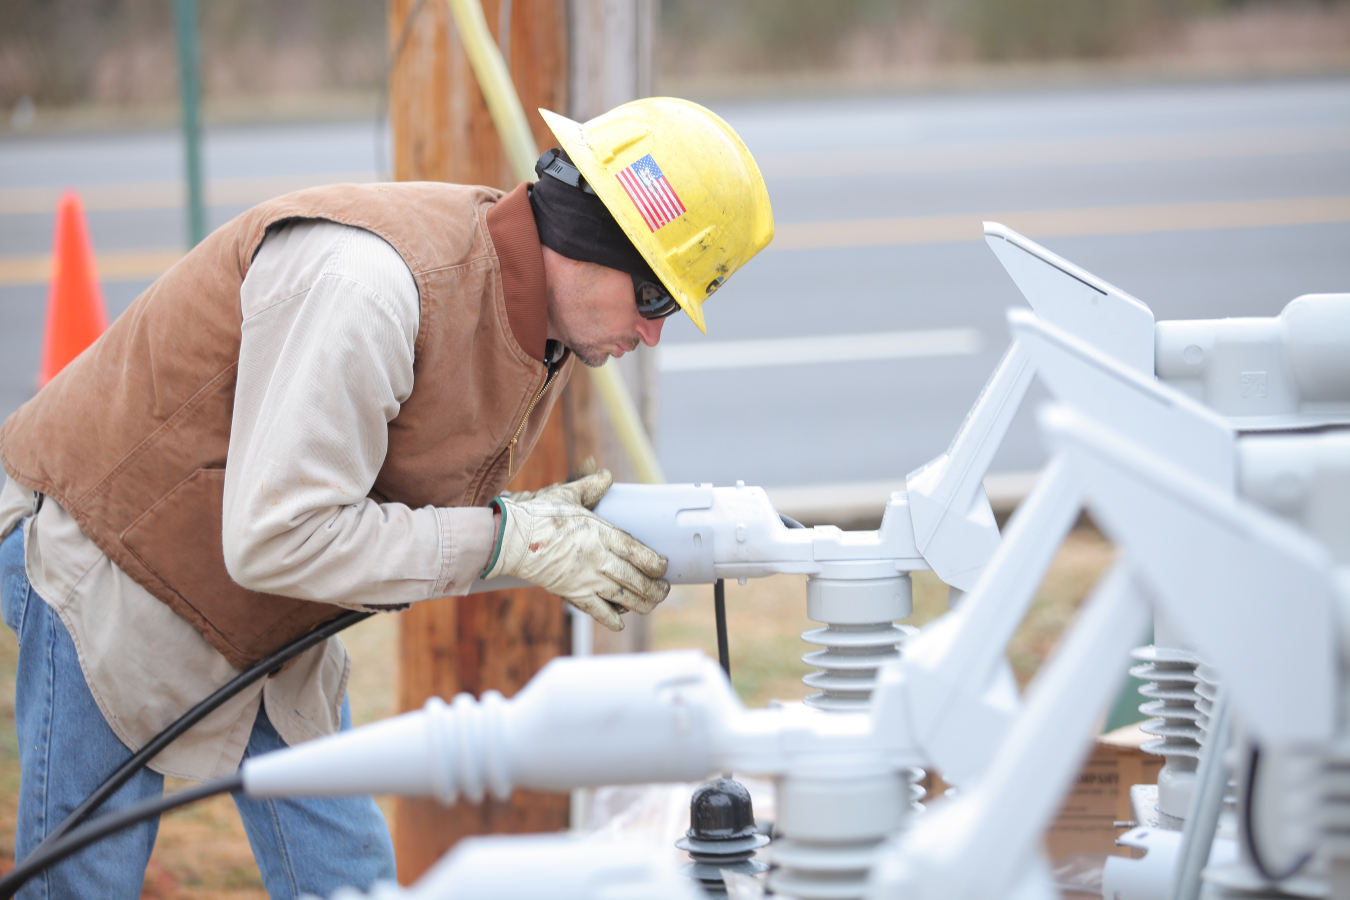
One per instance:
(550, 538)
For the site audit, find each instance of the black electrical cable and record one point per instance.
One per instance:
(1249, 830)
(720, 612)
(102, 827)
(720, 609)
(190, 718)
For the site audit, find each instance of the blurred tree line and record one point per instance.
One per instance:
(61, 52)
(781, 35)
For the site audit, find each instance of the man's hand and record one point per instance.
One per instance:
(551, 538)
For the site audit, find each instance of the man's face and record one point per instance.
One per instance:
(592, 311)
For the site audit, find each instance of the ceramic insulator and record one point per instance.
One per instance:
(1172, 698)
(849, 662)
(860, 635)
(1335, 849)
(1207, 686)
(829, 829)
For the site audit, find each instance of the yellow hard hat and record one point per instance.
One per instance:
(681, 185)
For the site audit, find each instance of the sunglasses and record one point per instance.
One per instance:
(653, 300)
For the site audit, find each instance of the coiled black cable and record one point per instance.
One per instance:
(51, 853)
(203, 709)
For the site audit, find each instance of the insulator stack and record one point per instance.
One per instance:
(1335, 848)
(917, 791)
(860, 636)
(849, 662)
(1172, 698)
(829, 827)
(721, 835)
(1207, 686)
(822, 869)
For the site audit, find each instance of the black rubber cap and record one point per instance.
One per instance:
(721, 811)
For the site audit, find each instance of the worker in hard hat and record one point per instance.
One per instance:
(317, 409)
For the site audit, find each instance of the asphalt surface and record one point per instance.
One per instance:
(1202, 201)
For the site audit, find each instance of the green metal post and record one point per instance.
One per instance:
(189, 80)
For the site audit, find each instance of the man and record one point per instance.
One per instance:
(315, 410)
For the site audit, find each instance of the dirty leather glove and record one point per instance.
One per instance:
(551, 538)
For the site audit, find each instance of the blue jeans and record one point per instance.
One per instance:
(66, 749)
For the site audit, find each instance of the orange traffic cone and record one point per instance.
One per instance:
(75, 312)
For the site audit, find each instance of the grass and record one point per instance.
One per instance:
(202, 852)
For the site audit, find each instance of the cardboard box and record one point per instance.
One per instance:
(1101, 796)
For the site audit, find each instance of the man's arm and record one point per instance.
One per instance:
(326, 360)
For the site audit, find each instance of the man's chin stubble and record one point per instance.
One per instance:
(596, 355)
(591, 355)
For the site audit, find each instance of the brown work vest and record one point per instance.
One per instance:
(131, 438)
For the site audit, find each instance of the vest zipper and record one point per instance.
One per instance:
(511, 447)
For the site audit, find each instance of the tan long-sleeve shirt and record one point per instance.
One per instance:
(330, 317)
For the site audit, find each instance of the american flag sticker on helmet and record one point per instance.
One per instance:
(651, 193)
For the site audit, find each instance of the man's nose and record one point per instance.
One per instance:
(650, 330)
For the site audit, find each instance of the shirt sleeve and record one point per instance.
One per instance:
(330, 318)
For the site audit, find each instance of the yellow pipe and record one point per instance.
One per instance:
(495, 81)
(509, 117)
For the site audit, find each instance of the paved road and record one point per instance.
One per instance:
(1201, 201)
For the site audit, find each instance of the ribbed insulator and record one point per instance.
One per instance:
(1172, 698)
(816, 870)
(1335, 849)
(849, 662)
(916, 790)
(711, 857)
(1207, 686)
(830, 823)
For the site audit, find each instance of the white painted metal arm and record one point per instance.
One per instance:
(981, 844)
(1076, 300)
(1217, 565)
(954, 525)
(1127, 401)
(1262, 374)
(948, 668)
(951, 686)
(1214, 563)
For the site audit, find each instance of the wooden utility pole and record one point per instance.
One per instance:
(492, 641)
(610, 63)
(444, 132)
